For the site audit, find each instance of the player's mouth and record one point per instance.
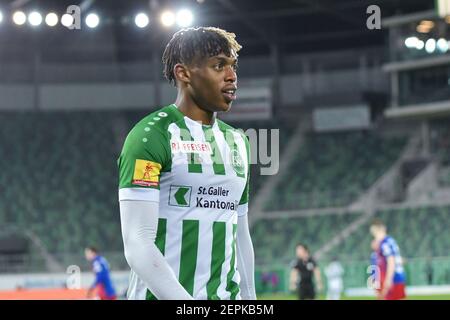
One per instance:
(229, 94)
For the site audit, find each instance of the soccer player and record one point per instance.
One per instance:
(389, 261)
(184, 181)
(334, 272)
(102, 284)
(303, 270)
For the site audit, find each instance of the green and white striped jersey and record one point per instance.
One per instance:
(199, 174)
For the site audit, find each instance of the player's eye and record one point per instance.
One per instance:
(235, 67)
(218, 66)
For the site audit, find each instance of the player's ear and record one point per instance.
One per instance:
(182, 73)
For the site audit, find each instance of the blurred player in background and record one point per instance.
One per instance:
(334, 272)
(303, 270)
(184, 181)
(389, 261)
(102, 285)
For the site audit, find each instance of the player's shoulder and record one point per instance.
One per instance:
(294, 263)
(101, 259)
(389, 240)
(158, 120)
(154, 125)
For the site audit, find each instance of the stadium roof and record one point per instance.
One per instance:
(295, 25)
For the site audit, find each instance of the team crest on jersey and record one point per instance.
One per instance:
(237, 162)
(146, 173)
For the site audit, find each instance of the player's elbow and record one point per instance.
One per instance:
(131, 251)
(138, 250)
(128, 254)
(138, 242)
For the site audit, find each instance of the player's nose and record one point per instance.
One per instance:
(230, 74)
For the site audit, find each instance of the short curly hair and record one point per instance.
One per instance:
(202, 42)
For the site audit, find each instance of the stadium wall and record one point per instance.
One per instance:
(107, 95)
(46, 282)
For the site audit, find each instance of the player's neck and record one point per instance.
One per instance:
(191, 110)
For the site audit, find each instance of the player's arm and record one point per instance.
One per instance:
(390, 270)
(140, 165)
(318, 277)
(293, 279)
(139, 221)
(97, 280)
(244, 246)
(388, 253)
(245, 259)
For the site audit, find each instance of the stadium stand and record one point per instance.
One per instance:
(407, 226)
(285, 131)
(440, 148)
(285, 233)
(59, 183)
(332, 169)
(421, 250)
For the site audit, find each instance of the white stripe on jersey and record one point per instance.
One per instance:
(177, 158)
(221, 291)
(203, 271)
(174, 233)
(197, 134)
(224, 149)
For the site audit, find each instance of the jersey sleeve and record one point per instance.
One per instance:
(144, 155)
(386, 250)
(97, 268)
(243, 203)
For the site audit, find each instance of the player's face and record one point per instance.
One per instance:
(375, 231)
(213, 82)
(88, 254)
(301, 252)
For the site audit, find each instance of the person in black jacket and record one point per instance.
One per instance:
(304, 270)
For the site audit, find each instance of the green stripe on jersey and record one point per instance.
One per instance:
(232, 287)
(218, 164)
(160, 243)
(188, 259)
(161, 235)
(217, 259)
(194, 165)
